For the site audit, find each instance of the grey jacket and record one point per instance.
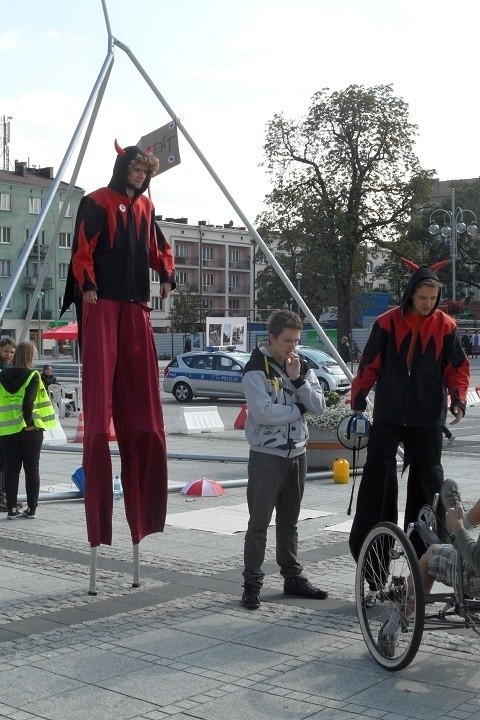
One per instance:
(276, 405)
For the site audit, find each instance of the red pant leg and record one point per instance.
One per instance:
(99, 357)
(138, 420)
(121, 381)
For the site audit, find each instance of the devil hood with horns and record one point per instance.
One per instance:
(422, 272)
(126, 157)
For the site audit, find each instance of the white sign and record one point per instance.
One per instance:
(163, 143)
(227, 332)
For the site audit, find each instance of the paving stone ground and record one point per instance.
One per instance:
(181, 646)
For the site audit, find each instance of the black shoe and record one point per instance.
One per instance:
(251, 597)
(301, 587)
(29, 514)
(13, 514)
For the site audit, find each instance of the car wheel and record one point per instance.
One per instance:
(182, 392)
(324, 385)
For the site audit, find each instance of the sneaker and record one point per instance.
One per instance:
(371, 598)
(13, 514)
(3, 503)
(301, 587)
(251, 597)
(450, 494)
(389, 634)
(29, 514)
(451, 439)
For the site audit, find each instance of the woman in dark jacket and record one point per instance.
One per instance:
(22, 431)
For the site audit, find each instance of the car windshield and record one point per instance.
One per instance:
(318, 356)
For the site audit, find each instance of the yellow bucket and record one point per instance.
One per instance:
(341, 471)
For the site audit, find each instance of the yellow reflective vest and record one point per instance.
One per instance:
(11, 408)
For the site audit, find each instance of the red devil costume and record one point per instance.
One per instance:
(415, 361)
(116, 243)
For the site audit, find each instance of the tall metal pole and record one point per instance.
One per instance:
(453, 248)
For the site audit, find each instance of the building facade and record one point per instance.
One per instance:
(217, 261)
(23, 192)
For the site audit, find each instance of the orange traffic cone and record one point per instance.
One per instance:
(111, 432)
(239, 423)
(79, 435)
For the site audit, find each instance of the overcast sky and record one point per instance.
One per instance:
(225, 67)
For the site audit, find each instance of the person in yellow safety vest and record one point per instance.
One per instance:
(25, 412)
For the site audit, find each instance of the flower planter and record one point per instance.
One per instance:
(324, 448)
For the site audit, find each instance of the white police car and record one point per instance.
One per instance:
(209, 374)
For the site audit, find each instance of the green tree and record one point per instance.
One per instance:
(186, 310)
(352, 179)
(282, 226)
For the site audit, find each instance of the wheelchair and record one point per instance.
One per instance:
(386, 561)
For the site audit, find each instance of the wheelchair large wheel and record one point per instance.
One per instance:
(386, 561)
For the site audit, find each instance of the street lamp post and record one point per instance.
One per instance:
(299, 277)
(453, 226)
(39, 312)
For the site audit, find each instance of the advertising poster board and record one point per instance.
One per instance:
(226, 332)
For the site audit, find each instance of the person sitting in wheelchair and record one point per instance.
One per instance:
(439, 562)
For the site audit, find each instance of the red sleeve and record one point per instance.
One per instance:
(161, 256)
(369, 368)
(89, 223)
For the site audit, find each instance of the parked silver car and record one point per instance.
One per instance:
(329, 373)
(205, 374)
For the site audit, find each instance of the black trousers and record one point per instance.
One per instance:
(22, 448)
(378, 493)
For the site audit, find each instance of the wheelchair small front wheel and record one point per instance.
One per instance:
(389, 596)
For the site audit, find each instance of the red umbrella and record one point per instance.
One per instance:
(63, 332)
(201, 487)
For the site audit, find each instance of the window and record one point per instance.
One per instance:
(154, 276)
(233, 257)
(199, 362)
(181, 250)
(208, 279)
(233, 280)
(68, 211)
(369, 266)
(5, 235)
(368, 286)
(182, 277)
(233, 304)
(207, 303)
(5, 199)
(227, 364)
(34, 205)
(157, 302)
(62, 271)
(207, 253)
(5, 270)
(64, 240)
(60, 304)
